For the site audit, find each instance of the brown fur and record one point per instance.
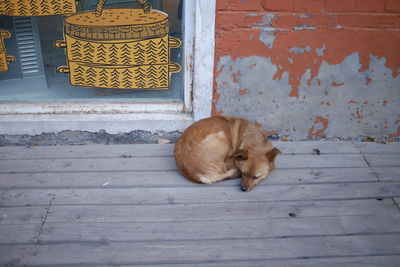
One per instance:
(221, 147)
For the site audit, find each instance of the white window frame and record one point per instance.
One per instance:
(199, 38)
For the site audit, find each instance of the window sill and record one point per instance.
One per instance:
(114, 118)
(20, 108)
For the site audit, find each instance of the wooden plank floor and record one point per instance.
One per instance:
(126, 205)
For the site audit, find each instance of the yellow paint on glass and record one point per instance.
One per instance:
(4, 59)
(37, 7)
(155, 76)
(119, 48)
(120, 52)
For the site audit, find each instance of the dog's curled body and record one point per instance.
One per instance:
(223, 147)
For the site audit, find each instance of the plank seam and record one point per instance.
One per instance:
(181, 262)
(176, 170)
(397, 205)
(108, 242)
(189, 185)
(166, 170)
(166, 156)
(371, 167)
(44, 221)
(208, 203)
(176, 204)
(250, 218)
(253, 219)
(112, 157)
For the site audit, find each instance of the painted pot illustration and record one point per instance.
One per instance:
(4, 58)
(37, 7)
(119, 48)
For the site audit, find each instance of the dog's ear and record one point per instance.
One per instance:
(271, 155)
(241, 155)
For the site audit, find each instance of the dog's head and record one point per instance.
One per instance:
(255, 166)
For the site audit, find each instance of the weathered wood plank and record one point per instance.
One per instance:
(388, 173)
(324, 147)
(320, 161)
(220, 211)
(22, 215)
(383, 160)
(165, 163)
(112, 204)
(209, 194)
(397, 200)
(369, 147)
(175, 252)
(175, 179)
(19, 233)
(189, 230)
(10, 198)
(94, 179)
(92, 164)
(381, 261)
(150, 150)
(86, 151)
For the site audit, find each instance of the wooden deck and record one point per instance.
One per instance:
(126, 205)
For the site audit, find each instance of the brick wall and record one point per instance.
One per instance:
(310, 69)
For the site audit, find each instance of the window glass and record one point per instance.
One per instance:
(33, 76)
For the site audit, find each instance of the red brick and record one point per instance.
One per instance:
(233, 20)
(222, 4)
(340, 5)
(392, 5)
(246, 5)
(308, 5)
(369, 20)
(369, 5)
(354, 5)
(278, 5)
(290, 21)
(294, 5)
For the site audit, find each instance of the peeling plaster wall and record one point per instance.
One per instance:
(310, 69)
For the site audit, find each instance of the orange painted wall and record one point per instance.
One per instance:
(300, 38)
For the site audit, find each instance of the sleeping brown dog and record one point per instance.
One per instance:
(221, 147)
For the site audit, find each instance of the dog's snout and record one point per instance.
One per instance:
(244, 188)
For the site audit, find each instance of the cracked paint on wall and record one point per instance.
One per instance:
(353, 109)
(304, 47)
(306, 76)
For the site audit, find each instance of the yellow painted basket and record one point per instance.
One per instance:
(4, 59)
(119, 48)
(154, 76)
(37, 7)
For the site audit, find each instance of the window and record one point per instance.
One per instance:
(33, 76)
(112, 110)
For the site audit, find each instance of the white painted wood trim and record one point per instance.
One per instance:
(199, 37)
(89, 108)
(33, 124)
(188, 43)
(204, 47)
